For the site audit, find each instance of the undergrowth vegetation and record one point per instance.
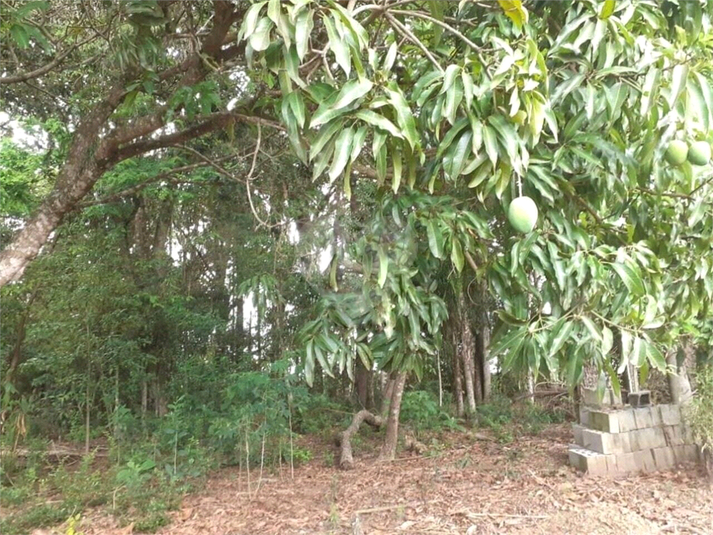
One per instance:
(140, 467)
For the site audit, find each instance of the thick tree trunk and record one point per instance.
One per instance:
(29, 241)
(93, 151)
(388, 450)
(680, 385)
(343, 440)
(362, 378)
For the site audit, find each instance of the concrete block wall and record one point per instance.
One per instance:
(613, 441)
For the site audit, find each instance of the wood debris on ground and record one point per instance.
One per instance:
(472, 486)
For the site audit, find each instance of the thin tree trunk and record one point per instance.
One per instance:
(530, 386)
(386, 399)
(362, 378)
(680, 385)
(478, 374)
(457, 376)
(144, 398)
(467, 354)
(388, 450)
(485, 361)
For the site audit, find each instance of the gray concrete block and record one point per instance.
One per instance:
(588, 461)
(577, 431)
(584, 416)
(643, 418)
(656, 416)
(664, 458)
(627, 422)
(607, 421)
(673, 435)
(670, 414)
(597, 441)
(644, 461)
(687, 434)
(622, 442)
(627, 463)
(686, 453)
(639, 399)
(649, 438)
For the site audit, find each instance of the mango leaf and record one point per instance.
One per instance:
(515, 11)
(338, 46)
(260, 38)
(607, 9)
(457, 254)
(383, 267)
(404, 115)
(630, 277)
(654, 356)
(678, 82)
(351, 91)
(303, 28)
(342, 151)
(397, 165)
(435, 238)
(379, 121)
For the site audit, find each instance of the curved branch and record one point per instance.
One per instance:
(23, 77)
(411, 37)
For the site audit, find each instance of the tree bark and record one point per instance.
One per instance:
(680, 385)
(467, 354)
(343, 440)
(457, 372)
(387, 391)
(362, 378)
(483, 350)
(388, 450)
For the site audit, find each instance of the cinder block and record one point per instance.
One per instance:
(640, 399)
(643, 417)
(686, 453)
(622, 442)
(673, 435)
(670, 414)
(664, 458)
(604, 421)
(612, 465)
(644, 461)
(588, 461)
(649, 438)
(584, 416)
(627, 463)
(687, 434)
(577, 431)
(656, 416)
(597, 441)
(627, 422)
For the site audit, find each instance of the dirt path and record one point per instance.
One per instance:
(472, 486)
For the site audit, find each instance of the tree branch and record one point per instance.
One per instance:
(23, 77)
(411, 37)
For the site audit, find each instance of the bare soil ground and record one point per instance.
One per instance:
(466, 484)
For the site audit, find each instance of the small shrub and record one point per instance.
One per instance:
(420, 409)
(496, 413)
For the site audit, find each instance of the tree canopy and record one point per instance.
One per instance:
(444, 112)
